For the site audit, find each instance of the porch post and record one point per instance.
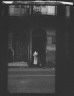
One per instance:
(60, 49)
(3, 52)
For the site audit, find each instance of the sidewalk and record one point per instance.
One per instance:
(31, 80)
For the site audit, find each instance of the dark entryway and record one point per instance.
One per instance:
(39, 45)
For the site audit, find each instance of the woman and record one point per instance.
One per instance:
(36, 60)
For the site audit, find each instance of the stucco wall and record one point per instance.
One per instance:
(19, 41)
(50, 47)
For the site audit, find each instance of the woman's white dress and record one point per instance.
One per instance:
(35, 62)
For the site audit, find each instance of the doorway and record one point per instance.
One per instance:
(39, 45)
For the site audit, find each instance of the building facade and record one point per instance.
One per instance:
(33, 27)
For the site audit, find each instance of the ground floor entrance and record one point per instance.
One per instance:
(39, 46)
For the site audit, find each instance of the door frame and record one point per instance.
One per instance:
(30, 46)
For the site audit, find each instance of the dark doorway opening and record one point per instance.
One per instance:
(39, 45)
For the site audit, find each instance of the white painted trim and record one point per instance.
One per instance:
(30, 69)
(27, 75)
(7, 2)
(67, 3)
(41, 2)
(14, 64)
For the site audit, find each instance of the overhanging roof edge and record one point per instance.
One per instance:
(39, 2)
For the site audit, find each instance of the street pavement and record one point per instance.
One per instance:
(31, 80)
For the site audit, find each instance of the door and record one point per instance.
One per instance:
(39, 45)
